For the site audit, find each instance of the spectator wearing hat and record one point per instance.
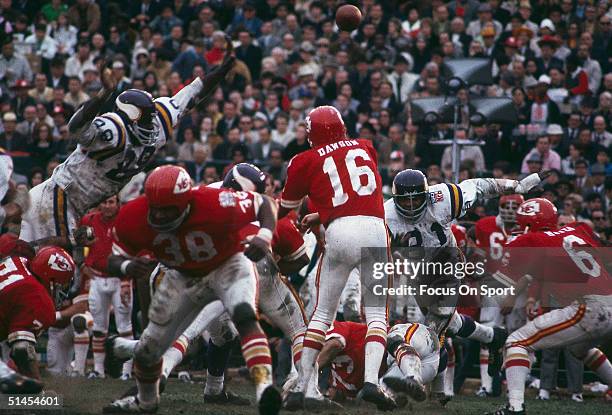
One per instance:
(543, 110)
(118, 73)
(10, 140)
(21, 99)
(307, 52)
(488, 34)
(548, 45)
(550, 158)
(558, 141)
(485, 18)
(83, 59)
(13, 66)
(533, 164)
(401, 79)
(56, 76)
(91, 82)
(85, 16)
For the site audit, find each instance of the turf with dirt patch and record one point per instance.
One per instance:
(83, 396)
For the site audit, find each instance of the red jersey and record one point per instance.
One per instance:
(460, 234)
(565, 264)
(341, 179)
(208, 237)
(103, 246)
(287, 242)
(26, 307)
(491, 236)
(349, 365)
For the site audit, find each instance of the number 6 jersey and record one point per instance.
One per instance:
(107, 157)
(341, 179)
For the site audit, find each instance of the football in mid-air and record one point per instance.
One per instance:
(348, 17)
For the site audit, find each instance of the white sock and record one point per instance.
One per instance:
(172, 358)
(81, 347)
(374, 353)
(518, 367)
(409, 362)
(599, 363)
(98, 354)
(486, 381)
(214, 384)
(449, 379)
(376, 342)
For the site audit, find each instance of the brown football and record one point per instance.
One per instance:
(348, 17)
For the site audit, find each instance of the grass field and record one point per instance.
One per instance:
(82, 396)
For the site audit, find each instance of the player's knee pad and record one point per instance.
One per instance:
(243, 314)
(23, 352)
(79, 323)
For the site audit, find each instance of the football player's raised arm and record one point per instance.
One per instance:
(90, 109)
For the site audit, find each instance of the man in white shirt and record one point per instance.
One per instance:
(77, 64)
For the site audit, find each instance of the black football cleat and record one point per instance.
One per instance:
(270, 401)
(374, 394)
(16, 384)
(408, 385)
(226, 398)
(505, 410)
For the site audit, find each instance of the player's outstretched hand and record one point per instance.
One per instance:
(141, 267)
(256, 248)
(84, 236)
(217, 75)
(543, 175)
(106, 77)
(528, 183)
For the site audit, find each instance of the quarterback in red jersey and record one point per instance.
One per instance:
(341, 179)
(579, 326)
(31, 287)
(194, 233)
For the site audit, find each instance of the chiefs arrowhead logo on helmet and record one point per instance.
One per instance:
(529, 208)
(59, 263)
(183, 183)
(537, 214)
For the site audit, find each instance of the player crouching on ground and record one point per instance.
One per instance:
(194, 233)
(31, 286)
(580, 326)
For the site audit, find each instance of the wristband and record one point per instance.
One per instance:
(265, 234)
(58, 316)
(124, 266)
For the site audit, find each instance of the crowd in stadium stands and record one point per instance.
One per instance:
(553, 58)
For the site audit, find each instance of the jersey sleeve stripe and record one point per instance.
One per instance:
(290, 204)
(60, 214)
(109, 152)
(165, 118)
(410, 332)
(296, 254)
(453, 201)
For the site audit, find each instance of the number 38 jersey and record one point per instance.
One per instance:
(445, 203)
(209, 235)
(341, 179)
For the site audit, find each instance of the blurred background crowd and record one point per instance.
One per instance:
(552, 57)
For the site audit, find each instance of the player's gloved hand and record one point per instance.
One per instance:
(140, 267)
(528, 183)
(256, 248)
(84, 236)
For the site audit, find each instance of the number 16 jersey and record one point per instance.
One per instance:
(341, 179)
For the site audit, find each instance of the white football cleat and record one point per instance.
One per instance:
(129, 405)
(184, 376)
(543, 395)
(125, 376)
(577, 397)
